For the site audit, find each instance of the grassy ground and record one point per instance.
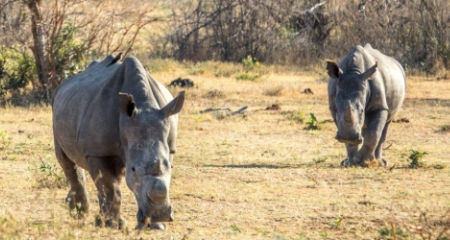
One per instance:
(255, 176)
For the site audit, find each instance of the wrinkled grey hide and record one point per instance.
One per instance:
(365, 91)
(114, 120)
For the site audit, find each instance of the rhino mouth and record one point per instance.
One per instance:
(154, 213)
(165, 216)
(350, 141)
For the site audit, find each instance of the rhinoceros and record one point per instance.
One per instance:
(114, 120)
(365, 91)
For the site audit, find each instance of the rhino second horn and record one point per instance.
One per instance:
(157, 168)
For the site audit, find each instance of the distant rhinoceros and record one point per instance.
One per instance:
(365, 91)
(112, 120)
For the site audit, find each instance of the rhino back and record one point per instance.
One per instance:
(85, 113)
(391, 74)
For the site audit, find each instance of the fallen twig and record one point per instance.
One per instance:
(241, 110)
(215, 109)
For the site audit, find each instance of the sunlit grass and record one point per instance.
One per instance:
(261, 175)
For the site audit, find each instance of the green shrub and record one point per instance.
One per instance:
(17, 69)
(249, 63)
(248, 76)
(49, 176)
(319, 160)
(5, 139)
(416, 160)
(388, 233)
(70, 55)
(313, 123)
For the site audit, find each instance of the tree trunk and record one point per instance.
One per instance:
(38, 47)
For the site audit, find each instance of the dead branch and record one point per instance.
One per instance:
(311, 10)
(215, 109)
(240, 111)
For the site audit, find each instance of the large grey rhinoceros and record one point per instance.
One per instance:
(112, 120)
(365, 91)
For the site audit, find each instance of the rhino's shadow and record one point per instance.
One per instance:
(271, 166)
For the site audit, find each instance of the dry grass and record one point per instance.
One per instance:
(258, 176)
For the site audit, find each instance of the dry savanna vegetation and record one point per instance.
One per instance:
(271, 171)
(264, 174)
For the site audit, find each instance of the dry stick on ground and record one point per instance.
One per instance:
(215, 109)
(241, 110)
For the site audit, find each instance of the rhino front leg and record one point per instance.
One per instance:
(107, 177)
(76, 199)
(379, 149)
(372, 136)
(352, 150)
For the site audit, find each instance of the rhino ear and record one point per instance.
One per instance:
(334, 71)
(127, 106)
(174, 106)
(366, 75)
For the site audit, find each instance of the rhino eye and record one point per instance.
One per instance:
(133, 169)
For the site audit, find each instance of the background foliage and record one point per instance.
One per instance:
(49, 41)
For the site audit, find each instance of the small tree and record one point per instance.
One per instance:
(62, 34)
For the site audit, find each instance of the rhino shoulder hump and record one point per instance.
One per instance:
(368, 46)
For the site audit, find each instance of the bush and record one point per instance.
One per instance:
(70, 54)
(49, 176)
(248, 76)
(304, 32)
(313, 123)
(5, 140)
(17, 70)
(388, 233)
(416, 159)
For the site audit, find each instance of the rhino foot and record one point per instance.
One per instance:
(348, 163)
(101, 222)
(345, 163)
(157, 226)
(142, 225)
(369, 163)
(366, 163)
(374, 163)
(78, 209)
(152, 225)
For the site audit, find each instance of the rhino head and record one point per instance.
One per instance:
(145, 138)
(352, 92)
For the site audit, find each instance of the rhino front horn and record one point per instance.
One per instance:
(348, 117)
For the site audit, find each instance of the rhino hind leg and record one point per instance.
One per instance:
(107, 179)
(77, 198)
